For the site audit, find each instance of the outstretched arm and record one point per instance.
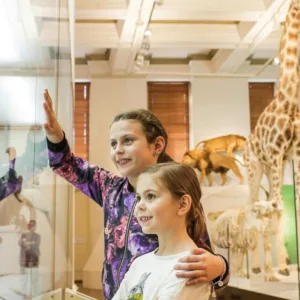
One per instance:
(10, 183)
(91, 180)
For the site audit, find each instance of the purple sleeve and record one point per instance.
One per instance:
(9, 183)
(91, 180)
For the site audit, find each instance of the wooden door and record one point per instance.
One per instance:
(260, 95)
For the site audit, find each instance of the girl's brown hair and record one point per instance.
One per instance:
(181, 180)
(151, 126)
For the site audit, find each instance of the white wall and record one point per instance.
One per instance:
(219, 106)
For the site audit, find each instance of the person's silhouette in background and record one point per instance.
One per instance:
(29, 260)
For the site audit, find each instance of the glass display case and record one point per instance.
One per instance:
(35, 206)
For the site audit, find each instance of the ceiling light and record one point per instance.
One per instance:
(276, 61)
(148, 32)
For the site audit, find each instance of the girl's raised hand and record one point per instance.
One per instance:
(12, 154)
(52, 127)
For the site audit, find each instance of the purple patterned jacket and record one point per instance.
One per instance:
(124, 239)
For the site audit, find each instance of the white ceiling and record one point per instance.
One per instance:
(189, 37)
(196, 37)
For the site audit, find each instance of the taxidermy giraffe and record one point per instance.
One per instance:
(268, 146)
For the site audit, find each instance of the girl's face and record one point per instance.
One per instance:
(129, 148)
(156, 209)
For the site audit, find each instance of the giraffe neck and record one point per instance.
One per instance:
(289, 60)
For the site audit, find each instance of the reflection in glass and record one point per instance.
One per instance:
(34, 205)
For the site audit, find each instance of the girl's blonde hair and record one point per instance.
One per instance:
(181, 180)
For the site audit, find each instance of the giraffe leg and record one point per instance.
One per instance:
(254, 171)
(275, 177)
(282, 255)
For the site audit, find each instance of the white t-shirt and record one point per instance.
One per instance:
(152, 277)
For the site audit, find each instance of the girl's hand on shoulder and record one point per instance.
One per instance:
(52, 127)
(199, 266)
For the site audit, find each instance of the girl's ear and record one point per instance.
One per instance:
(184, 205)
(159, 145)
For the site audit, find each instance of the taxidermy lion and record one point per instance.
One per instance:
(206, 162)
(226, 143)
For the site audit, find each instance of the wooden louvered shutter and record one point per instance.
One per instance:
(170, 103)
(81, 120)
(260, 95)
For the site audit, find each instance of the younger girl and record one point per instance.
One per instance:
(137, 141)
(168, 205)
